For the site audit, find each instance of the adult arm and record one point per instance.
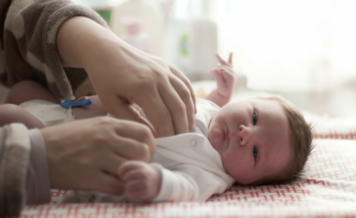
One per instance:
(82, 155)
(39, 37)
(122, 75)
(23, 169)
(14, 155)
(28, 43)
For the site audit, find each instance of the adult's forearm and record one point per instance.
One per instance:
(80, 40)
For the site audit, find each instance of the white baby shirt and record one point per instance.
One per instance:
(191, 168)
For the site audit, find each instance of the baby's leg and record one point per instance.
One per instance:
(10, 113)
(96, 109)
(29, 90)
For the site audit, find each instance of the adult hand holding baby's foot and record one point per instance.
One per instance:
(142, 181)
(83, 155)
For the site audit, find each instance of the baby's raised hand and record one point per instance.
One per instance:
(225, 76)
(226, 79)
(142, 181)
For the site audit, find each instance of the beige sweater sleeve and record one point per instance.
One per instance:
(14, 157)
(28, 51)
(28, 30)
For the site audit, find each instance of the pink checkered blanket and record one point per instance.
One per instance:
(327, 189)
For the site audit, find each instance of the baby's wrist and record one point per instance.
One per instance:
(225, 94)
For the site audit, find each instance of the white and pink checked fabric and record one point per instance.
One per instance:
(328, 189)
(334, 128)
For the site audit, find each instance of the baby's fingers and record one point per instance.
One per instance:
(227, 72)
(222, 61)
(230, 58)
(127, 167)
(220, 81)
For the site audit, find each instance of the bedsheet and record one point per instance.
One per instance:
(334, 128)
(327, 189)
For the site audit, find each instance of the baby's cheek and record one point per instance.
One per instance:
(239, 166)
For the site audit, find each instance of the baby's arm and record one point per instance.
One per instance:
(225, 77)
(184, 182)
(142, 181)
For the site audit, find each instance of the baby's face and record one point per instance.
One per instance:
(252, 138)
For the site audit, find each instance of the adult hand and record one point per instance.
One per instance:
(123, 75)
(86, 154)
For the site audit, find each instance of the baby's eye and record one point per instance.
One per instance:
(254, 118)
(254, 153)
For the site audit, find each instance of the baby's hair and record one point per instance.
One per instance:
(300, 136)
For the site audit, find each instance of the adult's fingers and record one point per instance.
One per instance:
(185, 96)
(176, 107)
(187, 83)
(133, 149)
(157, 112)
(107, 183)
(120, 108)
(109, 162)
(133, 140)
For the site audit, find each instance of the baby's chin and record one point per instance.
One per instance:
(216, 138)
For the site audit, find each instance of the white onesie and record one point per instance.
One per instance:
(191, 168)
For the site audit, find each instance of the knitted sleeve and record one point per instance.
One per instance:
(14, 157)
(28, 30)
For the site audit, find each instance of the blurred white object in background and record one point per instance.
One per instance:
(134, 35)
(321, 69)
(190, 39)
(203, 42)
(150, 16)
(176, 34)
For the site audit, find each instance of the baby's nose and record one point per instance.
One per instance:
(246, 135)
(243, 135)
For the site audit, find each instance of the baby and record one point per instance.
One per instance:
(253, 142)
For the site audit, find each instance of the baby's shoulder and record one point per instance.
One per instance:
(206, 105)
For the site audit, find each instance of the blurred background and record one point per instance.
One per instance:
(304, 50)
